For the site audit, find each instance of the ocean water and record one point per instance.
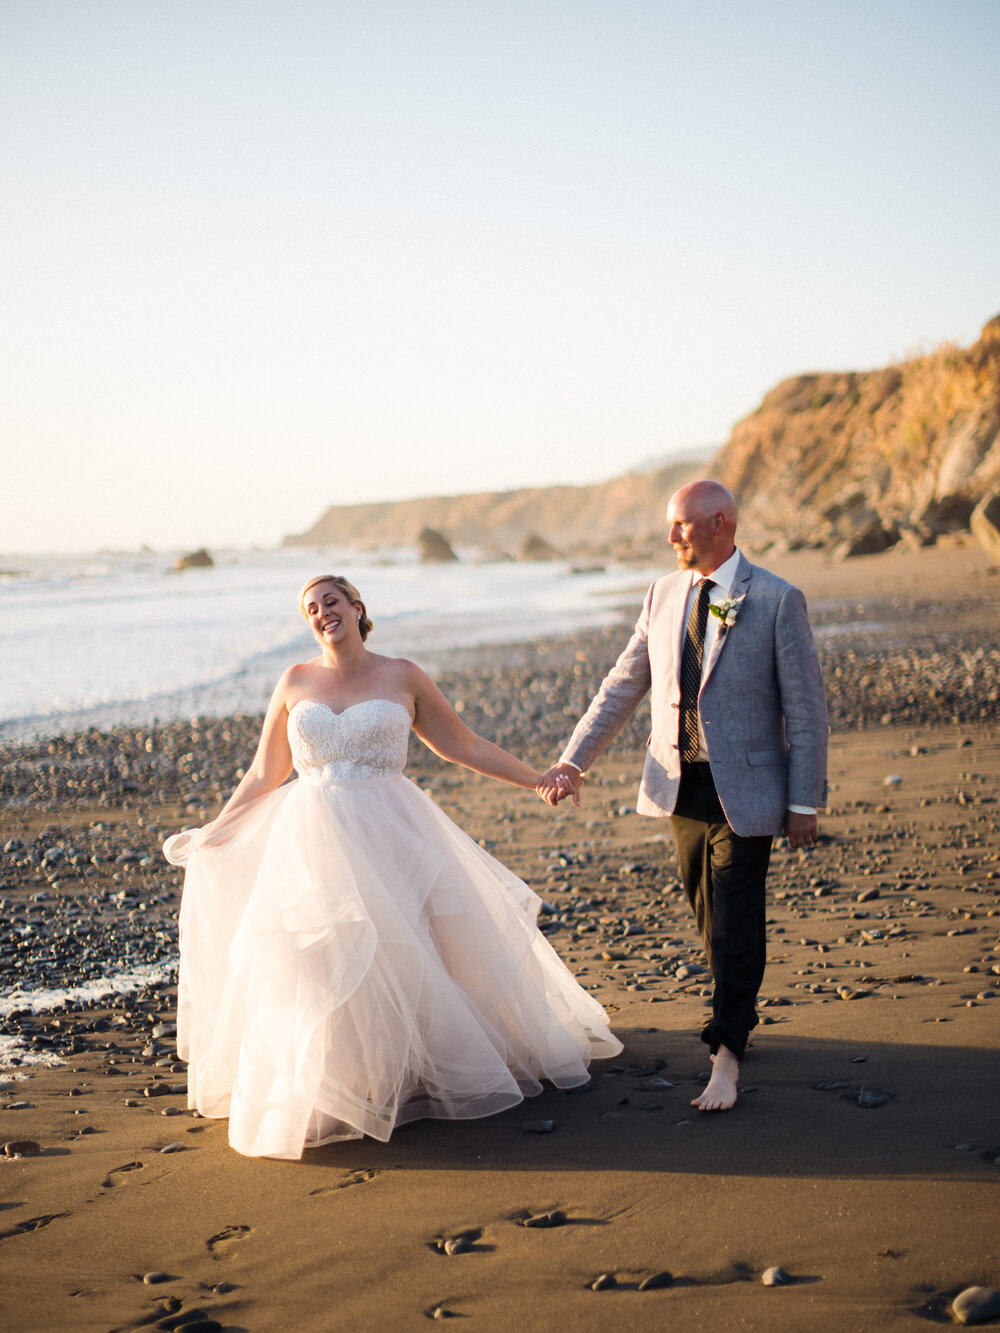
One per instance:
(17, 1053)
(100, 639)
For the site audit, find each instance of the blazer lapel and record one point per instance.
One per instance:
(741, 585)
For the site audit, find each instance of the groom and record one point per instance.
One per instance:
(737, 749)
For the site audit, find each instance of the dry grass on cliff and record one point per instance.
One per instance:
(892, 435)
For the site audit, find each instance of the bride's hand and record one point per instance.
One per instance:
(558, 782)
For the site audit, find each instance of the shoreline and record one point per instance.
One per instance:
(883, 974)
(861, 599)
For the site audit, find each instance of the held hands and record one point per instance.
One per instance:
(558, 782)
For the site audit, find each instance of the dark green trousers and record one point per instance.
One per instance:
(724, 878)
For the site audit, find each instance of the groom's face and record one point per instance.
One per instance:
(693, 535)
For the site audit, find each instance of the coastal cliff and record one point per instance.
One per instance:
(856, 461)
(606, 518)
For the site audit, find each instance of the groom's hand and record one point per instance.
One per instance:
(559, 781)
(800, 830)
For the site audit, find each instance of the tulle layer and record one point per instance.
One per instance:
(351, 960)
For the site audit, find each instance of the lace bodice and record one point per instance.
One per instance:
(367, 740)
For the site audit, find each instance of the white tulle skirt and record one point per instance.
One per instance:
(351, 960)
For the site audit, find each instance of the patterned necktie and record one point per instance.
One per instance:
(694, 643)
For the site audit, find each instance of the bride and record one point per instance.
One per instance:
(350, 959)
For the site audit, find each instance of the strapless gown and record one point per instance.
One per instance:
(351, 960)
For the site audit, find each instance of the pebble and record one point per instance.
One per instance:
(689, 970)
(870, 1096)
(152, 1279)
(657, 1280)
(775, 1277)
(539, 1127)
(974, 1305)
(556, 1218)
(173, 1147)
(458, 1245)
(21, 1148)
(604, 1283)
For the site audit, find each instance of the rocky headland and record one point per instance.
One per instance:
(856, 461)
(621, 517)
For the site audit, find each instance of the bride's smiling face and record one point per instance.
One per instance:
(331, 615)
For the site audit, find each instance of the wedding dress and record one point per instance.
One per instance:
(351, 960)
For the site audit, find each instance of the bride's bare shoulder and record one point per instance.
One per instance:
(401, 667)
(398, 674)
(300, 671)
(294, 678)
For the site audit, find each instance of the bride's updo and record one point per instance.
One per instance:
(365, 625)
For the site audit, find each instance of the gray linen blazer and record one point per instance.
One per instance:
(762, 703)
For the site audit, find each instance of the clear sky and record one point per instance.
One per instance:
(262, 256)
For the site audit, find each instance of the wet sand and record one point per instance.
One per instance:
(863, 1157)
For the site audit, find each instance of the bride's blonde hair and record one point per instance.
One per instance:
(365, 625)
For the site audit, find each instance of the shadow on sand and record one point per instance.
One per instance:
(798, 1115)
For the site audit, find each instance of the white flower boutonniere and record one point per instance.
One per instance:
(727, 611)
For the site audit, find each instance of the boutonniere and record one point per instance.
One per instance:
(727, 611)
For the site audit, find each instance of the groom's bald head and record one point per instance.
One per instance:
(701, 525)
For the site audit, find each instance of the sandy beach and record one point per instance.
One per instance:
(863, 1157)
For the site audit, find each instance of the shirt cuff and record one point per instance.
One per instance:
(802, 809)
(569, 764)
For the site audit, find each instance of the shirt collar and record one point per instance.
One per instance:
(723, 576)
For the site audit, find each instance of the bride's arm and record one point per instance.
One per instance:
(443, 731)
(273, 761)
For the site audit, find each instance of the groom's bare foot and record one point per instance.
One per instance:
(721, 1090)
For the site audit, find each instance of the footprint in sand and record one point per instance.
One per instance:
(116, 1175)
(31, 1224)
(352, 1178)
(221, 1245)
